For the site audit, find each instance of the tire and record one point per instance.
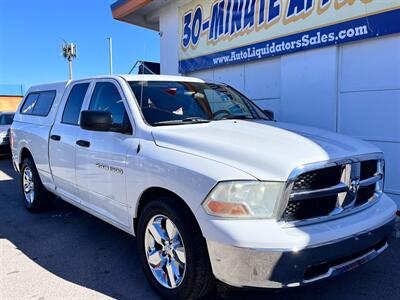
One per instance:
(35, 195)
(197, 279)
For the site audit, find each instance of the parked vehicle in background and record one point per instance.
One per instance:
(6, 119)
(211, 186)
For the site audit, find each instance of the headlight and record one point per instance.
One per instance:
(244, 199)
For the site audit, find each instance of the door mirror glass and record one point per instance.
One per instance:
(96, 120)
(270, 114)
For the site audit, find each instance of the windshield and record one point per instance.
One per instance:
(6, 119)
(164, 102)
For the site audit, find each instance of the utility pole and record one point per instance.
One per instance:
(110, 54)
(70, 68)
(69, 53)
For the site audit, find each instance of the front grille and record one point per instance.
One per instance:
(318, 179)
(334, 189)
(309, 208)
(364, 194)
(368, 169)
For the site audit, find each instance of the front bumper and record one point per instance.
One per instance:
(244, 267)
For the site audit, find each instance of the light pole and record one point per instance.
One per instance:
(69, 53)
(110, 54)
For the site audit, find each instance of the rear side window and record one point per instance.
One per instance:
(38, 103)
(74, 103)
(29, 104)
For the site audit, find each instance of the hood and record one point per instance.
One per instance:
(264, 149)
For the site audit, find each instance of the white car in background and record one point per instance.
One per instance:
(6, 119)
(212, 188)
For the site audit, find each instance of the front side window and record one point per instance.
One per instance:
(164, 103)
(106, 97)
(6, 119)
(38, 103)
(74, 103)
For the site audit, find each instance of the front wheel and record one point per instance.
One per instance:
(172, 251)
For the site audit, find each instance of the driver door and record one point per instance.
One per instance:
(101, 157)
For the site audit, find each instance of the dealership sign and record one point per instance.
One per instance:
(222, 32)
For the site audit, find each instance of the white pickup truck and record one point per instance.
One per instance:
(212, 188)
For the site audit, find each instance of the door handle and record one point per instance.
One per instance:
(82, 143)
(55, 137)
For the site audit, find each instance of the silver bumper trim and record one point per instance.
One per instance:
(267, 268)
(349, 265)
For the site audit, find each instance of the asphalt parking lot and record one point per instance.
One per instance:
(67, 254)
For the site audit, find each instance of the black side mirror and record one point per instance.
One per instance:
(270, 114)
(121, 128)
(96, 120)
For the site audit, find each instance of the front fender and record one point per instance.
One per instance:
(188, 176)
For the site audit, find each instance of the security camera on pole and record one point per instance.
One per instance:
(69, 52)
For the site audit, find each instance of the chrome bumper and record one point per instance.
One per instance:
(264, 268)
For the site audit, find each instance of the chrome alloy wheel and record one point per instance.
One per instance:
(28, 185)
(165, 251)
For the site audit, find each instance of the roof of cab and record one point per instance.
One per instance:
(127, 77)
(160, 78)
(48, 86)
(144, 77)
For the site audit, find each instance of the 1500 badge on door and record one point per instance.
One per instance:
(110, 168)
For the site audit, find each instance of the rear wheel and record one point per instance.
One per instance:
(172, 251)
(36, 197)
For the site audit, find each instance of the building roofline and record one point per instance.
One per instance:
(137, 12)
(123, 8)
(117, 4)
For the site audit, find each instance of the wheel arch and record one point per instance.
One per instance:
(24, 153)
(155, 192)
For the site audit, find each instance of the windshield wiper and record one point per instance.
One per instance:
(237, 117)
(191, 120)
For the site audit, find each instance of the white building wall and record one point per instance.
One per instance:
(169, 42)
(369, 99)
(309, 88)
(169, 36)
(351, 88)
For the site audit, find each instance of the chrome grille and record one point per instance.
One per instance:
(318, 179)
(368, 169)
(330, 191)
(312, 208)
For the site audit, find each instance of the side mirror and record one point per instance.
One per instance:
(269, 113)
(96, 120)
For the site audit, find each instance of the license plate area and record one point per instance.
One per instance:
(343, 265)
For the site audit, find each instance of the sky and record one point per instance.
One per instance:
(32, 32)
